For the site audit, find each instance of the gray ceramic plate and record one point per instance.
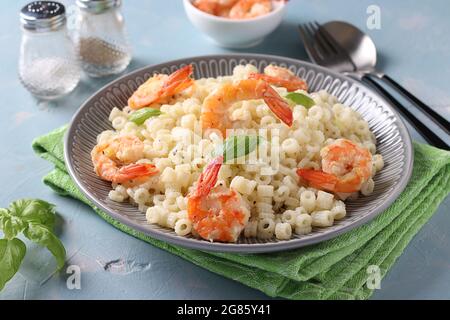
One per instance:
(394, 144)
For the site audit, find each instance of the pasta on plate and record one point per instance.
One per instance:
(164, 155)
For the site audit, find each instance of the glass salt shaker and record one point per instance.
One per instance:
(48, 66)
(100, 37)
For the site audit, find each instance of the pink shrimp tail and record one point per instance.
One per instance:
(208, 178)
(318, 179)
(178, 81)
(134, 171)
(290, 85)
(278, 106)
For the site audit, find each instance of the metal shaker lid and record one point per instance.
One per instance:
(98, 6)
(43, 16)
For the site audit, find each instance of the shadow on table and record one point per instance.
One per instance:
(284, 41)
(383, 61)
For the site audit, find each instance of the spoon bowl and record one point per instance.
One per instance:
(358, 45)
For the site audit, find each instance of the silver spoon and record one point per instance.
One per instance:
(363, 54)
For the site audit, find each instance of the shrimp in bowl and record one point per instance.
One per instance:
(220, 8)
(235, 9)
(246, 9)
(236, 24)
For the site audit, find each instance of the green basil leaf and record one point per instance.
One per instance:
(33, 210)
(301, 99)
(143, 114)
(43, 236)
(10, 225)
(11, 256)
(238, 146)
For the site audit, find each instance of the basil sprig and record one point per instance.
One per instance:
(143, 114)
(35, 219)
(238, 146)
(301, 99)
(12, 253)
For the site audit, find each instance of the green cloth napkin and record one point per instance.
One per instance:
(334, 269)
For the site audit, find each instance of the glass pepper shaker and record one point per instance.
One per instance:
(48, 66)
(100, 37)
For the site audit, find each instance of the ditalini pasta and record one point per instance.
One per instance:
(156, 164)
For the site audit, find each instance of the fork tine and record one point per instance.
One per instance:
(317, 47)
(326, 37)
(308, 44)
(337, 48)
(323, 48)
(322, 38)
(310, 32)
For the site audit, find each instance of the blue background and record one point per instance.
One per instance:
(413, 46)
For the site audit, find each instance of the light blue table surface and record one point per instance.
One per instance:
(414, 48)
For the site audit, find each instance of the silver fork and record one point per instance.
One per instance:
(323, 50)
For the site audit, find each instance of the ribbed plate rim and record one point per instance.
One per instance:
(232, 247)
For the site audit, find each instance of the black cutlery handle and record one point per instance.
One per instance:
(433, 115)
(429, 135)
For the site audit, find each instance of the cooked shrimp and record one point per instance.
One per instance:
(223, 12)
(215, 7)
(245, 9)
(345, 167)
(161, 87)
(217, 213)
(281, 77)
(208, 6)
(215, 106)
(115, 161)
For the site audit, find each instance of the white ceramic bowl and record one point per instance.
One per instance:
(235, 33)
